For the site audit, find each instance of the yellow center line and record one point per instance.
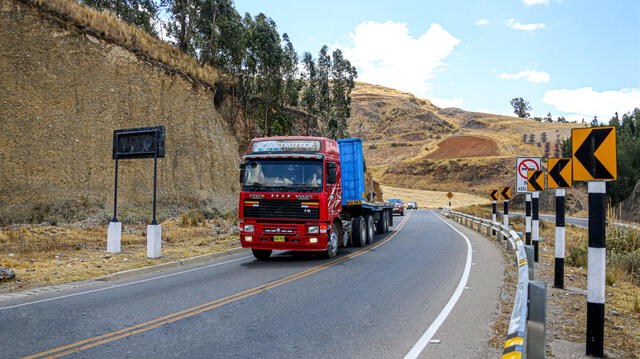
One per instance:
(170, 318)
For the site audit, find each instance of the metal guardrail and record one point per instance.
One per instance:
(526, 337)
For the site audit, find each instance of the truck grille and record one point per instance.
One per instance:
(286, 209)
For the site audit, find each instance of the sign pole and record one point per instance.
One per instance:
(558, 281)
(506, 214)
(596, 268)
(527, 220)
(494, 215)
(155, 186)
(114, 232)
(535, 223)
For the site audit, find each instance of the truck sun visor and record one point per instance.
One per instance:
(286, 146)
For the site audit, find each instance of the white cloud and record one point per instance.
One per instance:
(447, 102)
(387, 54)
(535, 2)
(586, 103)
(481, 22)
(512, 23)
(529, 75)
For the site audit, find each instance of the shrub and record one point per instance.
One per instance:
(577, 257)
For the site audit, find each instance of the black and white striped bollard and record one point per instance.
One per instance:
(558, 279)
(505, 216)
(494, 216)
(535, 223)
(527, 219)
(596, 268)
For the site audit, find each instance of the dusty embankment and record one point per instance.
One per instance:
(62, 94)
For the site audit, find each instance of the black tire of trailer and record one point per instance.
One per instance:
(381, 226)
(390, 217)
(371, 228)
(261, 254)
(358, 232)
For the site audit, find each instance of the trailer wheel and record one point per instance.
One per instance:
(371, 228)
(390, 217)
(359, 232)
(261, 254)
(382, 223)
(332, 242)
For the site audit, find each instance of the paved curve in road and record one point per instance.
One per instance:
(373, 302)
(576, 221)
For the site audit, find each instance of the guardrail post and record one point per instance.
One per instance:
(529, 250)
(537, 320)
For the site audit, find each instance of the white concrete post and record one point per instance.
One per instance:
(114, 234)
(154, 240)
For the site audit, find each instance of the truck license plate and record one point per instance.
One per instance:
(278, 238)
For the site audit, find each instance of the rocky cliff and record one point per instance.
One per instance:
(64, 91)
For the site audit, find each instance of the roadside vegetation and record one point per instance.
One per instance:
(566, 308)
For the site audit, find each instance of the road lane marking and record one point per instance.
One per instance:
(170, 318)
(433, 328)
(122, 285)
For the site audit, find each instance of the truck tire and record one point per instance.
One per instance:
(371, 228)
(261, 254)
(332, 242)
(390, 217)
(359, 232)
(382, 223)
(386, 221)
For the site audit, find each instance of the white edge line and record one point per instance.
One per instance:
(122, 285)
(431, 331)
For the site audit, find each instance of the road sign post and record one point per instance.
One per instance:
(594, 160)
(523, 165)
(493, 196)
(560, 178)
(535, 184)
(527, 219)
(135, 143)
(449, 196)
(505, 196)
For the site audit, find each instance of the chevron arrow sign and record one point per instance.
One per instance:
(559, 173)
(505, 193)
(493, 194)
(594, 154)
(535, 181)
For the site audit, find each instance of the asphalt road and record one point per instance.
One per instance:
(425, 280)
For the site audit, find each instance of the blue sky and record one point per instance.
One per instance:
(576, 58)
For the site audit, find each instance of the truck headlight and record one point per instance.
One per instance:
(313, 240)
(313, 229)
(248, 238)
(248, 227)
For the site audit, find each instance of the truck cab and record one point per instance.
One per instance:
(292, 196)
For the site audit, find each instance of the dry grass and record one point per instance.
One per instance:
(106, 25)
(431, 199)
(49, 255)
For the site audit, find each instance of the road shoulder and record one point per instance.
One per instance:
(467, 330)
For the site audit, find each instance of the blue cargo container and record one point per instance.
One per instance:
(351, 170)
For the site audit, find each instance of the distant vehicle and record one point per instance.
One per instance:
(398, 206)
(412, 205)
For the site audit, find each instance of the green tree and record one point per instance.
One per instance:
(343, 77)
(548, 118)
(183, 22)
(628, 148)
(141, 13)
(521, 107)
(310, 92)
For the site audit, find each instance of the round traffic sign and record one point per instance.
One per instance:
(523, 168)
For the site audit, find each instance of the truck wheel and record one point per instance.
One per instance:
(382, 223)
(385, 221)
(261, 254)
(390, 217)
(359, 232)
(332, 242)
(402, 213)
(371, 228)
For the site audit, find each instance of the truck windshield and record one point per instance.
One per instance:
(283, 175)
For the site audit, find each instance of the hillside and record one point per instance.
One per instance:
(412, 143)
(68, 90)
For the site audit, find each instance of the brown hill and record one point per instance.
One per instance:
(412, 143)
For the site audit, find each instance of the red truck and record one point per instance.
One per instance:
(307, 194)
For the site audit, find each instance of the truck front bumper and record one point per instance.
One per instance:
(284, 243)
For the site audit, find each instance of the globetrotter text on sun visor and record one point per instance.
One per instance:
(286, 146)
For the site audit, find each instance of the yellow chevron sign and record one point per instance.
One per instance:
(505, 193)
(535, 181)
(493, 195)
(594, 154)
(559, 175)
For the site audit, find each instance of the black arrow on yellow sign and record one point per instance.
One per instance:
(559, 172)
(505, 193)
(493, 194)
(594, 153)
(535, 181)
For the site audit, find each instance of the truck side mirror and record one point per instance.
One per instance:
(332, 173)
(242, 171)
